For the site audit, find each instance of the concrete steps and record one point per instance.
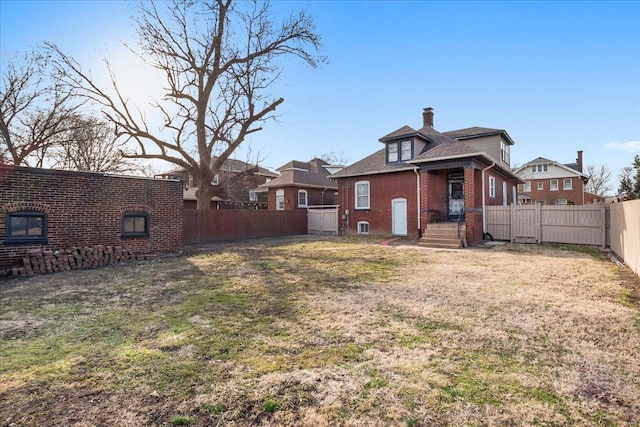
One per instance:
(443, 235)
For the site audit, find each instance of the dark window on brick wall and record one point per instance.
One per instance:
(135, 224)
(26, 227)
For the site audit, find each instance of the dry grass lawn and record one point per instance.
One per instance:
(326, 332)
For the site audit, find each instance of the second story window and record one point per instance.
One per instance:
(541, 186)
(567, 184)
(553, 185)
(399, 151)
(504, 152)
(526, 186)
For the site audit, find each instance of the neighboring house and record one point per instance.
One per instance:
(423, 179)
(239, 184)
(302, 184)
(56, 211)
(552, 183)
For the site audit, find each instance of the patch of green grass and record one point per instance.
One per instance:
(213, 408)
(583, 249)
(376, 381)
(411, 422)
(626, 298)
(271, 405)
(182, 421)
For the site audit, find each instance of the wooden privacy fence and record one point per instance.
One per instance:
(215, 225)
(625, 232)
(581, 225)
(323, 219)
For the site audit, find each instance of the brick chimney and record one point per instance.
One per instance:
(579, 160)
(427, 117)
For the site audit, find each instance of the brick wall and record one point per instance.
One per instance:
(550, 197)
(383, 189)
(86, 209)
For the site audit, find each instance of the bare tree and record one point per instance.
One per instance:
(334, 158)
(34, 111)
(219, 58)
(599, 180)
(91, 145)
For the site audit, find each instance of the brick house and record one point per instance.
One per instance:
(55, 210)
(424, 182)
(551, 183)
(302, 184)
(238, 182)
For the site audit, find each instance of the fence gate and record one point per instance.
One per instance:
(525, 224)
(323, 220)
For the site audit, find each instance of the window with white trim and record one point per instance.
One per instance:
(553, 185)
(567, 184)
(492, 187)
(302, 198)
(541, 186)
(279, 200)
(362, 194)
(526, 186)
(363, 227)
(561, 202)
(253, 196)
(539, 168)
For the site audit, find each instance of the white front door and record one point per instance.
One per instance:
(399, 217)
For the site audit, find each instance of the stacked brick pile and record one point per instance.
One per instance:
(39, 261)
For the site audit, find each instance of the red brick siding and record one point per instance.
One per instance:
(86, 209)
(434, 196)
(382, 190)
(549, 197)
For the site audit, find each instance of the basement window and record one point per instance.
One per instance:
(26, 227)
(363, 227)
(135, 224)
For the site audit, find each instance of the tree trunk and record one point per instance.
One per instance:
(204, 193)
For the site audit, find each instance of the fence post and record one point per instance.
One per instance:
(513, 222)
(603, 222)
(538, 223)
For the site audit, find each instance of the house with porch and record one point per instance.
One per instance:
(302, 184)
(428, 184)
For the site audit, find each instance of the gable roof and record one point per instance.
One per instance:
(570, 167)
(309, 174)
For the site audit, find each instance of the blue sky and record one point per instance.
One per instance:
(557, 76)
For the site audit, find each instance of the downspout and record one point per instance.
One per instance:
(418, 199)
(484, 204)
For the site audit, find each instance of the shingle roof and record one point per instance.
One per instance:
(229, 165)
(312, 175)
(447, 150)
(476, 132)
(371, 165)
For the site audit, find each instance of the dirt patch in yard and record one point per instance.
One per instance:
(326, 331)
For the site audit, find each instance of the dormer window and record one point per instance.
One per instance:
(539, 168)
(399, 151)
